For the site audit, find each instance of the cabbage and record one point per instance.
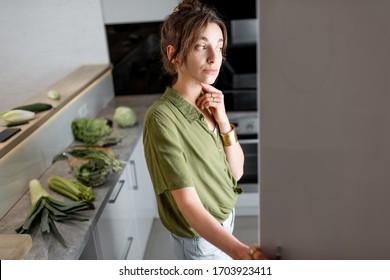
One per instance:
(125, 116)
(90, 130)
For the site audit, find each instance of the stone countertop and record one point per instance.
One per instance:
(45, 246)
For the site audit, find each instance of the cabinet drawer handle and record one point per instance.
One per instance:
(128, 246)
(278, 255)
(116, 192)
(135, 182)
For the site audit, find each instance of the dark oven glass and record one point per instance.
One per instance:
(240, 100)
(250, 176)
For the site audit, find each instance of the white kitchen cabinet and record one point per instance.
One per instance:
(143, 195)
(123, 229)
(113, 227)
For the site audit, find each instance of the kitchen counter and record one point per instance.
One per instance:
(77, 234)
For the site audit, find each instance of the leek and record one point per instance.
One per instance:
(45, 211)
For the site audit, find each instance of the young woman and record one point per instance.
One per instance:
(192, 152)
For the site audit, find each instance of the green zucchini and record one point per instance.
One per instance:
(16, 123)
(35, 107)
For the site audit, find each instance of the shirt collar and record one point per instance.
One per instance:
(188, 111)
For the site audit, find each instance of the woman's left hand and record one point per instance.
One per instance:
(212, 99)
(255, 253)
(252, 253)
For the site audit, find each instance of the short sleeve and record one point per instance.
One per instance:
(164, 155)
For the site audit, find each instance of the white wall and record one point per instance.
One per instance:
(44, 40)
(127, 11)
(325, 128)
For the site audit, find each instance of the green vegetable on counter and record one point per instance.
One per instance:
(111, 141)
(45, 211)
(17, 115)
(90, 130)
(16, 123)
(125, 116)
(96, 168)
(72, 189)
(54, 94)
(35, 107)
(92, 173)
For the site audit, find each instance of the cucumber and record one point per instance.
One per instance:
(35, 107)
(16, 123)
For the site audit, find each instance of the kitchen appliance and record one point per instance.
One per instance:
(247, 127)
(239, 84)
(244, 31)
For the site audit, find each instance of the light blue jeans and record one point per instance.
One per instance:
(199, 248)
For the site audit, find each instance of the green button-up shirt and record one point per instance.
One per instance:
(180, 152)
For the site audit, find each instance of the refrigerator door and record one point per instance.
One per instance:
(324, 129)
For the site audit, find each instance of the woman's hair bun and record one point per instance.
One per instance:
(189, 6)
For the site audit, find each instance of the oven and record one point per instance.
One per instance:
(247, 124)
(238, 81)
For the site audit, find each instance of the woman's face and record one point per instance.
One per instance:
(204, 60)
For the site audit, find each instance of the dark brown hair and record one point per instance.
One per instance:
(181, 29)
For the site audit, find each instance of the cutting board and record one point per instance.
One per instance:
(14, 246)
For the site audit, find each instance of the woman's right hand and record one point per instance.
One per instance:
(213, 99)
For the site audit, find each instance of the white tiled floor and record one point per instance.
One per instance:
(246, 230)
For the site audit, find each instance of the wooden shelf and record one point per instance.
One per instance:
(69, 87)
